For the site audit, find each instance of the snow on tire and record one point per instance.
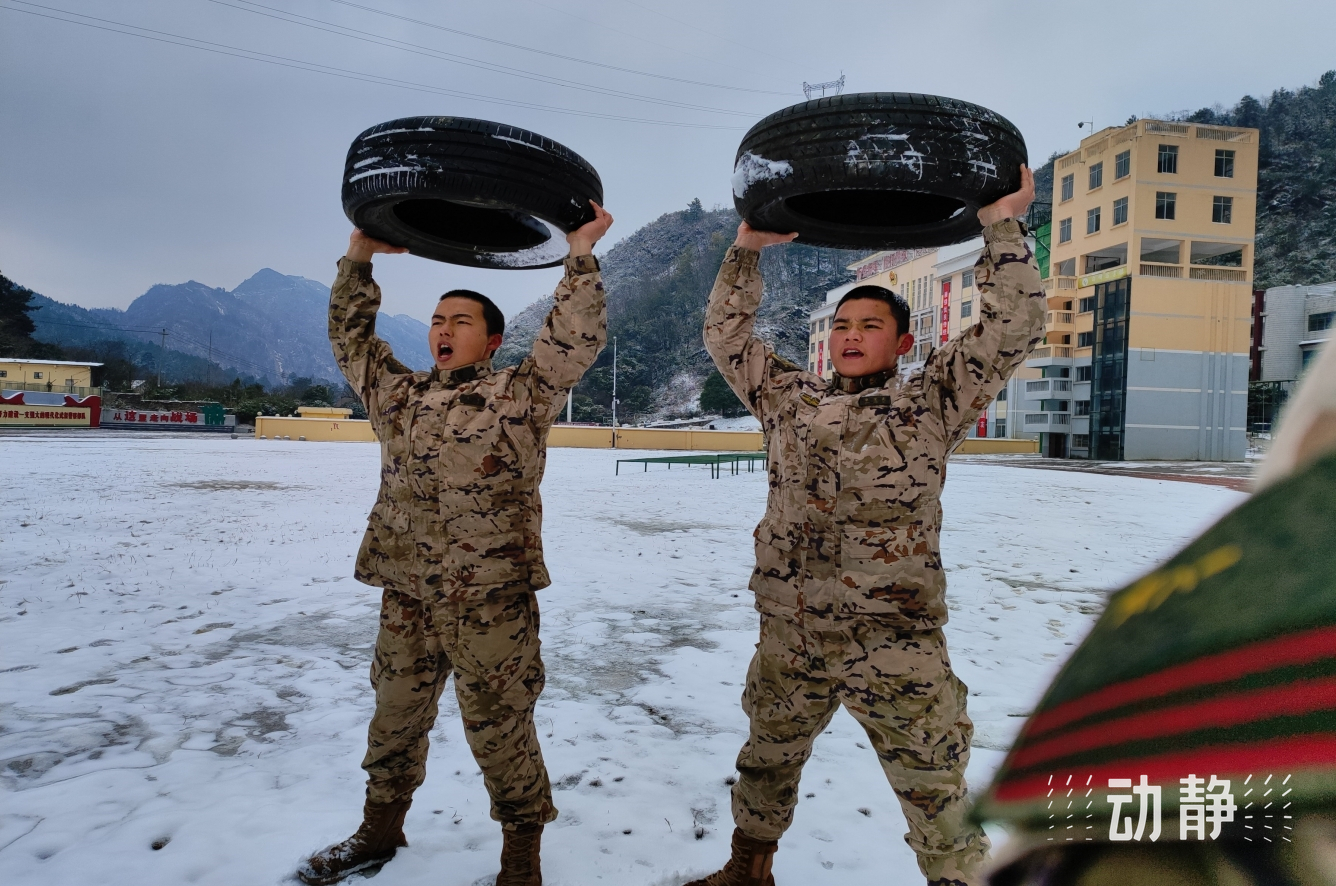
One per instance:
(876, 170)
(468, 192)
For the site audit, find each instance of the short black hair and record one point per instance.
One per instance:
(899, 307)
(491, 314)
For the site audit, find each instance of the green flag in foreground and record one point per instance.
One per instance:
(1221, 663)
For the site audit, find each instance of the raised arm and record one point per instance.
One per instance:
(576, 329)
(963, 376)
(363, 357)
(743, 359)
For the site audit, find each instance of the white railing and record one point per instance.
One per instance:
(1032, 386)
(1223, 135)
(1036, 418)
(1223, 275)
(1064, 282)
(1059, 317)
(1062, 384)
(1061, 418)
(1166, 128)
(1161, 271)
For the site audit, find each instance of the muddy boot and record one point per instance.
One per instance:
(520, 865)
(376, 841)
(749, 866)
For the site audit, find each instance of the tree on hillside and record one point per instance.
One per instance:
(717, 397)
(16, 326)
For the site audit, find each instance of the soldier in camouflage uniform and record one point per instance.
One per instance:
(848, 577)
(454, 542)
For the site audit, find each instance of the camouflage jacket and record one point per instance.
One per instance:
(853, 517)
(462, 452)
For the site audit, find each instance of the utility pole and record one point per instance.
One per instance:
(570, 395)
(162, 355)
(614, 386)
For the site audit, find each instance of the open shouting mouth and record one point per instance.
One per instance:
(851, 353)
(444, 352)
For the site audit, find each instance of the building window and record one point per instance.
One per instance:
(1086, 305)
(811, 347)
(1085, 339)
(1068, 187)
(1000, 428)
(1307, 358)
(1122, 165)
(4, 373)
(1002, 396)
(1082, 407)
(1168, 159)
(1092, 221)
(37, 375)
(1096, 176)
(1055, 405)
(821, 326)
(1164, 204)
(1080, 441)
(1083, 373)
(966, 309)
(1055, 372)
(1321, 322)
(966, 279)
(1066, 267)
(1120, 211)
(1222, 210)
(1065, 231)
(1224, 164)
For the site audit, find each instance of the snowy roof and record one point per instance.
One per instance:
(49, 362)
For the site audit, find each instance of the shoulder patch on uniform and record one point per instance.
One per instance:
(394, 366)
(809, 399)
(879, 400)
(477, 401)
(779, 364)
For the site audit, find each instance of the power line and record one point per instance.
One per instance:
(417, 49)
(708, 31)
(242, 360)
(569, 58)
(315, 68)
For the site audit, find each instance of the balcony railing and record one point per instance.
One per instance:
(1222, 275)
(1064, 282)
(1166, 128)
(1061, 418)
(1044, 385)
(1161, 271)
(1036, 418)
(1055, 317)
(44, 388)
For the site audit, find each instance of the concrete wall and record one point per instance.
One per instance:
(1184, 405)
(707, 441)
(322, 429)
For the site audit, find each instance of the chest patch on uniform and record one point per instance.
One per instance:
(810, 400)
(881, 400)
(477, 401)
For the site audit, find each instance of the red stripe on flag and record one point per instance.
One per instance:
(1292, 649)
(1247, 707)
(1234, 761)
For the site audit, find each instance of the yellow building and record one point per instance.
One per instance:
(1149, 305)
(938, 285)
(50, 376)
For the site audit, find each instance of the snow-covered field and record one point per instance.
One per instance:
(183, 661)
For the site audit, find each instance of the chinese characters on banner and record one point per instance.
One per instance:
(946, 310)
(1202, 808)
(139, 417)
(982, 429)
(820, 358)
(54, 413)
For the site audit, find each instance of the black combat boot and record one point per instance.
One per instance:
(749, 865)
(376, 841)
(520, 864)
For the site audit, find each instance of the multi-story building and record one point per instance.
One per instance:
(1146, 355)
(1293, 323)
(938, 285)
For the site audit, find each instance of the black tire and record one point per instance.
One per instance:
(468, 192)
(876, 170)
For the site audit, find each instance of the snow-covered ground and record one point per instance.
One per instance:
(183, 661)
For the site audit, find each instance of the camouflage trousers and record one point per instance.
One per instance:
(899, 686)
(491, 647)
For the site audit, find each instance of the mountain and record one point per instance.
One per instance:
(657, 281)
(271, 327)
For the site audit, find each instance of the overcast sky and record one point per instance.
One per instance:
(126, 162)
